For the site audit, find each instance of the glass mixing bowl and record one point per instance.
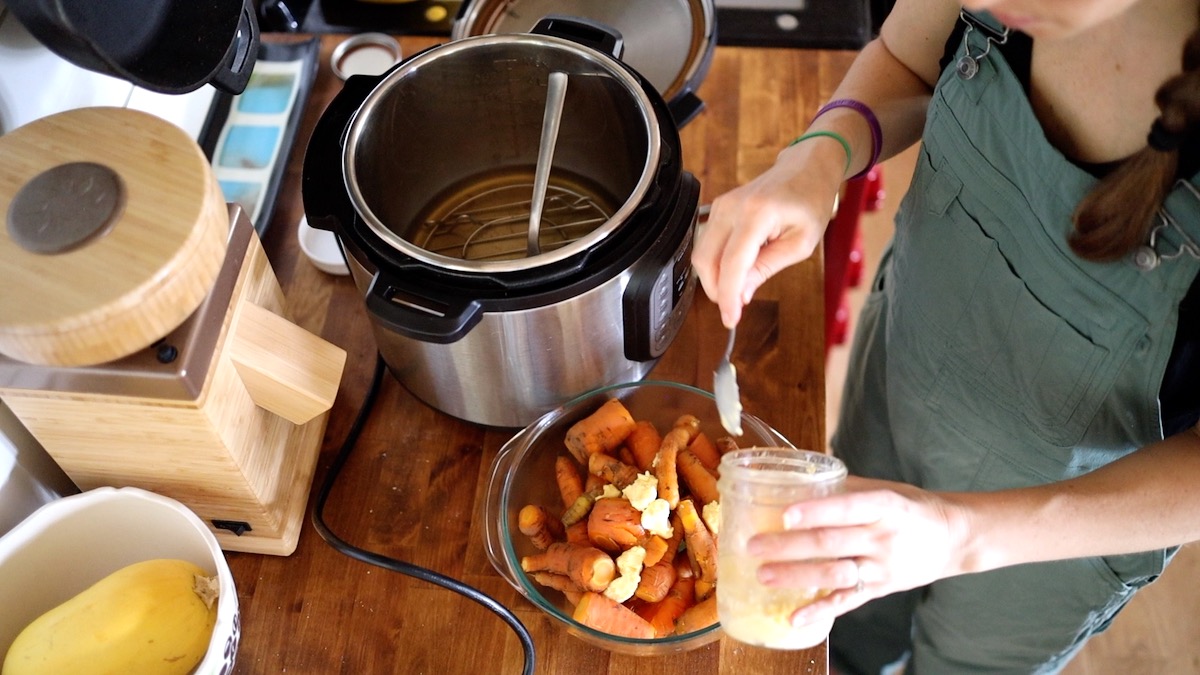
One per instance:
(523, 473)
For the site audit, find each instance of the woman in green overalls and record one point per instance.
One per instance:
(1021, 411)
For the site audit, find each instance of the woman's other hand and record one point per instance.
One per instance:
(876, 538)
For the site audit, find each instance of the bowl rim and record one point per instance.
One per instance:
(530, 590)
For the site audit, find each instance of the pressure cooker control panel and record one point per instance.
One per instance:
(660, 292)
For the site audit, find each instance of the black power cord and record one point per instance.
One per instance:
(392, 564)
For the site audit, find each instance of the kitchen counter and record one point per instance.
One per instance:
(412, 487)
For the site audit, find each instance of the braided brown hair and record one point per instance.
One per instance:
(1116, 216)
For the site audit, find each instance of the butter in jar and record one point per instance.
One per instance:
(756, 485)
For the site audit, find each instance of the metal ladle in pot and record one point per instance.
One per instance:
(556, 91)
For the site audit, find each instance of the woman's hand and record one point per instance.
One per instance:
(876, 538)
(776, 220)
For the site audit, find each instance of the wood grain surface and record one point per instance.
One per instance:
(412, 488)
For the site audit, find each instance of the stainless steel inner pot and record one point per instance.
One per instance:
(490, 335)
(451, 124)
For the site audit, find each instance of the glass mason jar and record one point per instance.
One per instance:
(755, 486)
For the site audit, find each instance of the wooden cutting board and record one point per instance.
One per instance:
(114, 229)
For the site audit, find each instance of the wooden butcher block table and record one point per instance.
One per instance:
(413, 485)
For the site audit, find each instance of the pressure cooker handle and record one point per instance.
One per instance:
(587, 32)
(326, 203)
(439, 321)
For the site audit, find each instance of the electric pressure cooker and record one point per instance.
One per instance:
(427, 175)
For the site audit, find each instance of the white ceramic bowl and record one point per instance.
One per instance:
(71, 543)
(321, 248)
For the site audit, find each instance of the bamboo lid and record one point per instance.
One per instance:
(114, 229)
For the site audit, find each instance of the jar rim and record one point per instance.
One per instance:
(781, 466)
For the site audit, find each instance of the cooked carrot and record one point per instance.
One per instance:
(689, 422)
(698, 479)
(701, 548)
(656, 581)
(612, 470)
(665, 465)
(594, 483)
(540, 526)
(643, 444)
(726, 445)
(656, 549)
(614, 525)
(706, 451)
(698, 616)
(667, 611)
(625, 455)
(573, 597)
(580, 509)
(587, 566)
(559, 582)
(601, 431)
(609, 616)
(577, 534)
(569, 479)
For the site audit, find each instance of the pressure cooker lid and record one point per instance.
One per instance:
(441, 160)
(669, 42)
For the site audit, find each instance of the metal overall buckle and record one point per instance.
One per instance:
(967, 65)
(1147, 256)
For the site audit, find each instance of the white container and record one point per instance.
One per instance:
(70, 544)
(755, 486)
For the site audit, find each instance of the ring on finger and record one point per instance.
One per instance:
(858, 580)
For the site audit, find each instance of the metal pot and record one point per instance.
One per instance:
(669, 42)
(167, 46)
(400, 164)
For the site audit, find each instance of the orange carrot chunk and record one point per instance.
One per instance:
(697, 477)
(643, 444)
(540, 526)
(609, 616)
(614, 525)
(588, 566)
(569, 479)
(602, 431)
(705, 451)
(698, 616)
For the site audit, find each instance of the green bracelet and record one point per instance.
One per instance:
(835, 136)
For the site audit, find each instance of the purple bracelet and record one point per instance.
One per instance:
(872, 121)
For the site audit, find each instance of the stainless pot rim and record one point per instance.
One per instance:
(488, 17)
(631, 83)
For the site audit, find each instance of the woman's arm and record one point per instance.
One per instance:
(776, 220)
(900, 537)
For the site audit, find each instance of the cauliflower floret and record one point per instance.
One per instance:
(629, 564)
(656, 519)
(642, 491)
(711, 515)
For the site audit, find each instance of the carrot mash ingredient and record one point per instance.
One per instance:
(589, 567)
(612, 470)
(643, 443)
(609, 616)
(706, 451)
(698, 616)
(542, 528)
(656, 581)
(701, 482)
(602, 431)
(664, 614)
(614, 525)
(569, 479)
(629, 565)
(701, 548)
